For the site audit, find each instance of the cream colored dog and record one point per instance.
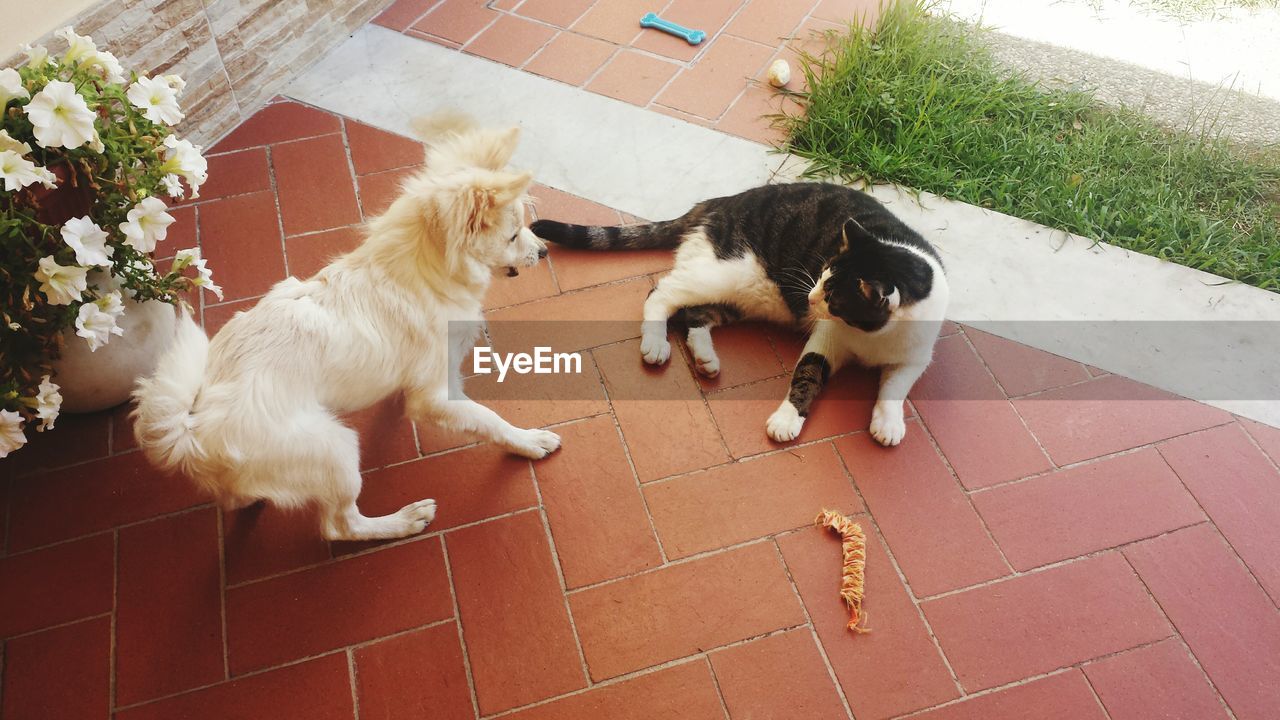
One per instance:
(252, 414)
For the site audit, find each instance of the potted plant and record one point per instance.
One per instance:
(85, 158)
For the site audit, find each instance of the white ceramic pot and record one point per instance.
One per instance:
(91, 381)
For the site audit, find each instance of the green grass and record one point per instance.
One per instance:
(918, 102)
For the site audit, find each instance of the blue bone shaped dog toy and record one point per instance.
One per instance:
(693, 37)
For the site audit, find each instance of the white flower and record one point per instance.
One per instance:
(11, 86)
(175, 82)
(184, 159)
(11, 437)
(79, 47)
(62, 283)
(37, 55)
(8, 143)
(172, 185)
(156, 99)
(60, 117)
(48, 402)
(191, 258)
(147, 223)
(106, 66)
(89, 241)
(19, 172)
(96, 321)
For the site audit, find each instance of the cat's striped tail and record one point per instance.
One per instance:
(622, 237)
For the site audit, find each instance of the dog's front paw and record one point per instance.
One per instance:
(535, 444)
(655, 349)
(418, 515)
(887, 425)
(785, 423)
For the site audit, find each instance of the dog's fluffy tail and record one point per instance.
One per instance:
(163, 422)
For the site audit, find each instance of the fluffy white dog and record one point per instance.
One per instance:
(252, 414)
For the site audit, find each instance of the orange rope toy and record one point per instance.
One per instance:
(854, 543)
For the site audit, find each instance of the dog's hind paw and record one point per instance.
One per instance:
(535, 444)
(418, 515)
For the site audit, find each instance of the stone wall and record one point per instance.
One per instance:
(234, 54)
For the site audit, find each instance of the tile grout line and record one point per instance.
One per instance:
(1204, 674)
(555, 562)
(670, 564)
(457, 620)
(991, 374)
(1094, 691)
(222, 593)
(351, 170)
(351, 678)
(715, 682)
(275, 198)
(60, 625)
(112, 660)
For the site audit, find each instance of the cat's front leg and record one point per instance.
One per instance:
(821, 358)
(888, 425)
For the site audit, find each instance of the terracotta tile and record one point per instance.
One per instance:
(520, 646)
(76, 438)
(457, 20)
(308, 254)
(1031, 624)
(379, 190)
(277, 123)
(317, 689)
(782, 676)
(263, 540)
(402, 13)
(1110, 414)
(576, 269)
(1239, 489)
(683, 692)
(182, 233)
(560, 13)
(591, 471)
(570, 58)
(469, 485)
(1267, 437)
(1224, 616)
(122, 438)
(418, 674)
(747, 118)
(236, 173)
(574, 321)
(847, 10)
(540, 400)
(314, 182)
(762, 496)
(746, 356)
(88, 498)
(1159, 680)
(386, 435)
(510, 40)
(912, 495)
(240, 237)
(552, 204)
(433, 439)
(843, 407)
(662, 615)
(710, 87)
(968, 416)
(216, 316)
(670, 434)
(59, 673)
(1087, 508)
(169, 607)
(1065, 696)
(1021, 369)
(681, 115)
(895, 668)
(327, 607)
(57, 584)
(769, 21)
(617, 21)
(375, 150)
(532, 283)
(632, 77)
(433, 39)
(708, 16)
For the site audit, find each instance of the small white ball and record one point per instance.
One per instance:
(779, 73)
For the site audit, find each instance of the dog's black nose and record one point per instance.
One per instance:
(542, 252)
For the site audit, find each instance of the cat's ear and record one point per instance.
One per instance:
(851, 234)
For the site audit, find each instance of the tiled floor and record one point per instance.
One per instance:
(1063, 544)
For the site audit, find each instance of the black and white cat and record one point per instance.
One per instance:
(819, 255)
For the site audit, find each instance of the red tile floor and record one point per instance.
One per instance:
(1064, 544)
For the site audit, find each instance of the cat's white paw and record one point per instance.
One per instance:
(785, 423)
(703, 352)
(710, 367)
(655, 349)
(534, 444)
(887, 424)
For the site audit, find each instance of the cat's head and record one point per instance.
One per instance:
(869, 280)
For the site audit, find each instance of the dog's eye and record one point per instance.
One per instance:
(513, 237)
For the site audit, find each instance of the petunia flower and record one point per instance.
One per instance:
(183, 158)
(79, 47)
(60, 117)
(11, 87)
(147, 224)
(96, 321)
(175, 82)
(37, 55)
(106, 66)
(48, 403)
(63, 284)
(19, 172)
(191, 258)
(11, 437)
(172, 185)
(7, 142)
(157, 100)
(89, 241)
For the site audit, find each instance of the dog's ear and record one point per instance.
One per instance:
(480, 199)
(492, 149)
